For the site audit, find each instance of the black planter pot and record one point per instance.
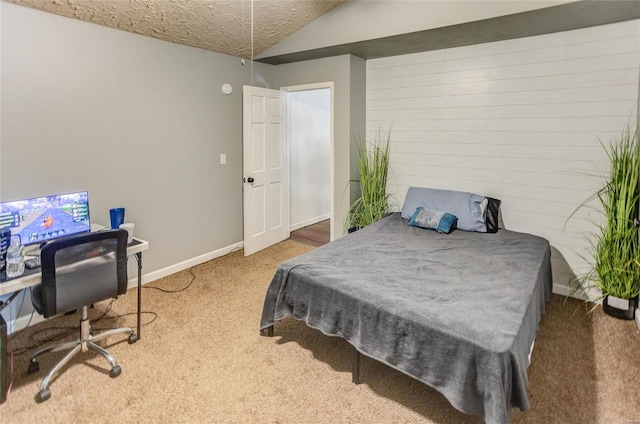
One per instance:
(610, 307)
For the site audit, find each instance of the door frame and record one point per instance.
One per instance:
(310, 87)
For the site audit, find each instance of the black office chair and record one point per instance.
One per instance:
(78, 271)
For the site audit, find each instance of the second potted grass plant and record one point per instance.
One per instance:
(616, 247)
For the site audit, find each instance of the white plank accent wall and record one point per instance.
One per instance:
(519, 120)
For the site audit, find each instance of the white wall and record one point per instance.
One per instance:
(518, 120)
(358, 20)
(309, 139)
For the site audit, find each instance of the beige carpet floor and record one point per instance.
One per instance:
(203, 360)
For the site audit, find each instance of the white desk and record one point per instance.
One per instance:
(32, 277)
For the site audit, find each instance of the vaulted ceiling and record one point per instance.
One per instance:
(223, 26)
(246, 28)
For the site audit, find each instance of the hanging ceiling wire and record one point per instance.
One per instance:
(251, 42)
(242, 26)
(251, 58)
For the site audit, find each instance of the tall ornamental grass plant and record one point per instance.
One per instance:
(616, 248)
(373, 166)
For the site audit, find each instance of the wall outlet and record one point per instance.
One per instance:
(223, 159)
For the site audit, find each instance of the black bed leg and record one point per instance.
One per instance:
(355, 367)
(270, 331)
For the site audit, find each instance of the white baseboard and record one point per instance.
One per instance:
(564, 290)
(308, 222)
(21, 323)
(21, 303)
(26, 320)
(172, 269)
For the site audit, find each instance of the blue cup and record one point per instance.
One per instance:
(117, 217)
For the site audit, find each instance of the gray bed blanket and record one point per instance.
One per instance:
(456, 311)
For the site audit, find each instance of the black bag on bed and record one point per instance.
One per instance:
(491, 215)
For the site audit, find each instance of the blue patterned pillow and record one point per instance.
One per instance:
(442, 222)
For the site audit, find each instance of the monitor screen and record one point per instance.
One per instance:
(40, 219)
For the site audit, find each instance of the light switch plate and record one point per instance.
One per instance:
(223, 159)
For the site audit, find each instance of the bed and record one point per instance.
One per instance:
(459, 311)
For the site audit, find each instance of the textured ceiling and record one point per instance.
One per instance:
(222, 26)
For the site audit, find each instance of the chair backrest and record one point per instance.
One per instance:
(83, 269)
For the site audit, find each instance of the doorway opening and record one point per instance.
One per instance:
(310, 146)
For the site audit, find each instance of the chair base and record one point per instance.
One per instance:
(84, 343)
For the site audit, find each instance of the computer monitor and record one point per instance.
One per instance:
(40, 219)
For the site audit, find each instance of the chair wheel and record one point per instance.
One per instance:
(132, 338)
(115, 371)
(43, 395)
(33, 367)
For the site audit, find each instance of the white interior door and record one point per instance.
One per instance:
(266, 206)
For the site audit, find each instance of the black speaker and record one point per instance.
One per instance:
(4, 363)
